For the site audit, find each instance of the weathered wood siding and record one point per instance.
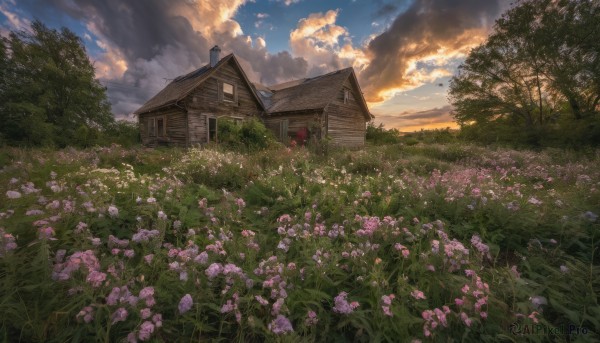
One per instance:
(207, 100)
(186, 126)
(296, 122)
(176, 127)
(346, 123)
(196, 127)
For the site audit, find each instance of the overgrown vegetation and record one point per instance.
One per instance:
(393, 243)
(249, 135)
(49, 94)
(536, 80)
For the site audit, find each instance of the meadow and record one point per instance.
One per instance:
(419, 242)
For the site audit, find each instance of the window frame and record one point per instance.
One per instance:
(348, 95)
(162, 134)
(225, 99)
(210, 117)
(152, 127)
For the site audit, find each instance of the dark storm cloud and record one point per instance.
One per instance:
(420, 31)
(262, 66)
(158, 45)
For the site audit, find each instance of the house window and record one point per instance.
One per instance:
(151, 127)
(212, 129)
(228, 92)
(347, 95)
(161, 127)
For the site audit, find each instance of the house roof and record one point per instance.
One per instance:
(309, 94)
(298, 95)
(183, 85)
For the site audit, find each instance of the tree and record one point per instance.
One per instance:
(539, 66)
(48, 88)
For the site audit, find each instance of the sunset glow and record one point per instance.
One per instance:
(404, 52)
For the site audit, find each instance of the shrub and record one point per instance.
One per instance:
(378, 135)
(250, 135)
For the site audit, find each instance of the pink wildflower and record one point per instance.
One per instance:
(281, 325)
(341, 304)
(465, 318)
(418, 294)
(533, 317)
(120, 315)
(13, 194)
(146, 330)
(113, 211)
(311, 318)
(228, 307)
(47, 233)
(157, 320)
(146, 292)
(87, 313)
(145, 313)
(261, 300)
(214, 270)
(185, 304)
(113, 297)
(148, 258)
(96, 278)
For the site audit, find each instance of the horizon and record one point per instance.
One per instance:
(403, 52)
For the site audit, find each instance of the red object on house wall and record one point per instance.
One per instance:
(301, 135)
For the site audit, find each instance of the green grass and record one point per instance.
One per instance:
(320, 225)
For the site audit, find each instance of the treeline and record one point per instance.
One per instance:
(536, 80)
(49, 95)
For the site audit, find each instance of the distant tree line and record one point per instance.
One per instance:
(49, 95)
(536, 80)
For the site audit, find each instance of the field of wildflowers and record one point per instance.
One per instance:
(394, 243)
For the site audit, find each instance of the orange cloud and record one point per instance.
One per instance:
(208, 16)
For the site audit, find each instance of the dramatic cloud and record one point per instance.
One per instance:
(148, 43)
(421, 41)
(324, 44)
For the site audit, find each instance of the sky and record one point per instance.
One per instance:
(404, 52)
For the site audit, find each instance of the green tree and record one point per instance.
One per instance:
(540, 66)
(48, 88)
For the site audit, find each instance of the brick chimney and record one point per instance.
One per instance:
(214, 55)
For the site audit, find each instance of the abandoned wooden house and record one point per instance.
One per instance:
(186, 112)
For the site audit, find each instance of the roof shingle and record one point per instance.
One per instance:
(307, 94)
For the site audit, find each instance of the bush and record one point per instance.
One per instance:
(250, 135)
(378, 135)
